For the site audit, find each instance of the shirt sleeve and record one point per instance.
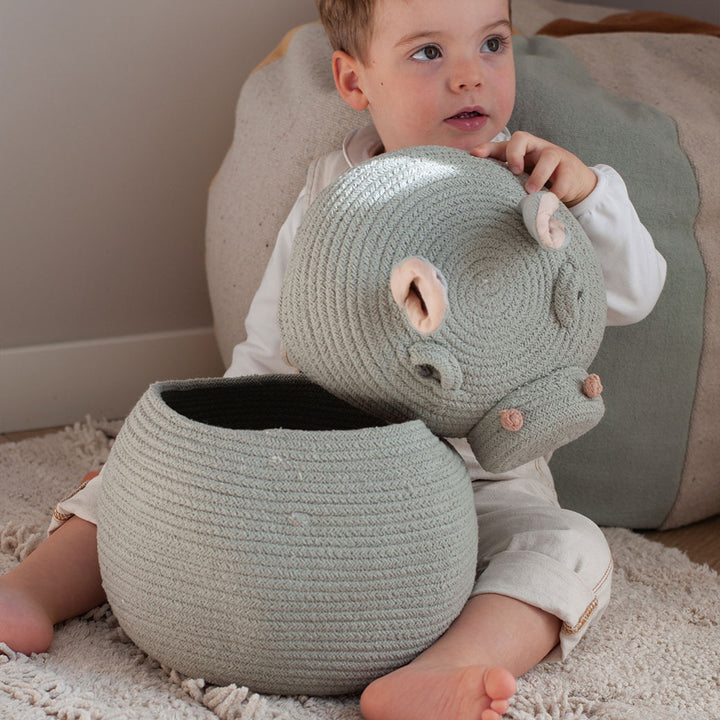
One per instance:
(261, 353)
(633, 270)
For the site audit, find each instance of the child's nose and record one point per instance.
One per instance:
(466, 75)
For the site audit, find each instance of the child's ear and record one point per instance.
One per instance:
(346, 71)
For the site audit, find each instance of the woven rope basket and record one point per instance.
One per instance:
(516, 311)
(262, 532)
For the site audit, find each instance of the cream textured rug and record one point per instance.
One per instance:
(655, 655)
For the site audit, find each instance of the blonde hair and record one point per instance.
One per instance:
(348, 24)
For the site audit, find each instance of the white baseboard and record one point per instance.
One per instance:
(52, 385)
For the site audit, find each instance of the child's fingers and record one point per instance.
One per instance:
(494, 150)
(520, 145)
(546, 166)
(511, 151)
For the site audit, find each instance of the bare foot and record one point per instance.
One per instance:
(418, 691)
(58, 580)
(24, 625)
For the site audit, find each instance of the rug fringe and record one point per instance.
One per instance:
(20, 540)
(93, 439)
(228, 702)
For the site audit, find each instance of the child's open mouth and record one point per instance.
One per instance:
(469, 120)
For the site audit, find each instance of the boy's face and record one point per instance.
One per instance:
(437, 72)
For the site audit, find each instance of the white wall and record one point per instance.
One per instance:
(114, 117)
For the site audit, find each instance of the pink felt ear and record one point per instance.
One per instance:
(538, 210)
(418, 288)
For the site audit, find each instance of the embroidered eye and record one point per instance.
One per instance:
(429, 52)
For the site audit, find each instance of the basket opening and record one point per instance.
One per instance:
(264, 403)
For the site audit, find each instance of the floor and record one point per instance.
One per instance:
(700, 541)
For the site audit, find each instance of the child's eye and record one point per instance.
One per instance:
(493, 45)
(429, 52)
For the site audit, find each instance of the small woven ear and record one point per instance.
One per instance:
(537, 211)
(418, 287)
(567, 295)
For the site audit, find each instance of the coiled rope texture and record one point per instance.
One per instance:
(261, 531)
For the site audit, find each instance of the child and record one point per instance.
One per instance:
(430, 72)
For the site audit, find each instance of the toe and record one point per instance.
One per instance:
(499, 684)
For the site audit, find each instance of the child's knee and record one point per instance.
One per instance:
(581, 547)
(588, 547)
(562, 536)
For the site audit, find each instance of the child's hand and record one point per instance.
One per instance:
(564, 173)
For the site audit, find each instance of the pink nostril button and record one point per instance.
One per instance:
(511, 420)
(592, 387)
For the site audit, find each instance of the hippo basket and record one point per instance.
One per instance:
(260, 531)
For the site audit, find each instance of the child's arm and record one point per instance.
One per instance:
(633, 269)
(262, 352)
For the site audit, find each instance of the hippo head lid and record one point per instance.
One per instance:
(426, 284)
